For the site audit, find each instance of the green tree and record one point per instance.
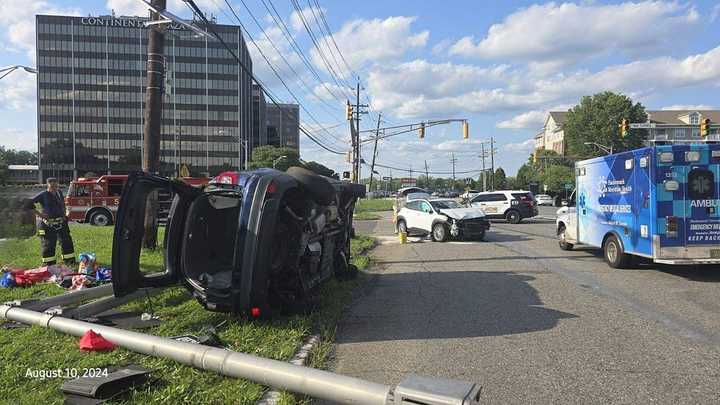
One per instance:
(321, 169)
(596, 119)
(264, 156)
(499, 179)
(526, 174)
(556, 176)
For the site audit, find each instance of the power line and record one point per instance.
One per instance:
(332, 37)
(327, 64)
(296, 47)
(272, 67)
(191, 4)
(232, 10)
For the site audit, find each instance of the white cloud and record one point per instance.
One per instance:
(699, 107)
(18, 91)
(715, 13)
(364, 42)
(528, 120)
(524, 146)
(19, 139)
(420, 88)
(552, 34)
(17, 17)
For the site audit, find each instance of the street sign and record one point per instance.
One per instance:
(408, 182)
(385, 178)
(568, 186)
(346, 175)
(468, 181)
(643, 125)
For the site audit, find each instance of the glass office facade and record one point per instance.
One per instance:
(91, 89)
(283, 125)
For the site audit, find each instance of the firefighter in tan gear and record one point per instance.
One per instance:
(49, 206)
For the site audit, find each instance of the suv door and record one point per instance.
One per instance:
(426, 215)
(129, 232)
(493, 204)
(411, 215)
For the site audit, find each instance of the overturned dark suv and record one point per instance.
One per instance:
(252, 243)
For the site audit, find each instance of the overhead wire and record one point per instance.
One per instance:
(275, 15)
(307, 87)
(333, 74)
(208, 25)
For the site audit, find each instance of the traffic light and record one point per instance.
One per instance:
(349, 111)
(421, 132)
(705, 127)
(465, 130)
(624, 128)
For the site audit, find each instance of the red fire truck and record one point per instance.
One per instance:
(96, 199)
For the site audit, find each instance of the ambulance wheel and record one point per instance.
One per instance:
(564, 244)
(614, 254)
(100, 218)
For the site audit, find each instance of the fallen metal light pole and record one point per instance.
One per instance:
(303, 380)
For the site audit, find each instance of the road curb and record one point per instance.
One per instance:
(272, 396)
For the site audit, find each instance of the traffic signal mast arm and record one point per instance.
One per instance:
(420, 126)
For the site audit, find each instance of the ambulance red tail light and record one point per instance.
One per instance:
(672, 227)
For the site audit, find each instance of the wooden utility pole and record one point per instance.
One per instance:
(372, 165)
(453, 161)
(427, 176)
(484, 173)
(492, 164)
(153, 117)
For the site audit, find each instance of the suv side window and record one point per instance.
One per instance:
(425, 207)
(496, 197)
(413, 205)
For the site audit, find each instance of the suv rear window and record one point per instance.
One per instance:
(523, 196)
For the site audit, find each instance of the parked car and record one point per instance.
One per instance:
(442, 219)
(544, 199)
(251, 243)
(511, 205)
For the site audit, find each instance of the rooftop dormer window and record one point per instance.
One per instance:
(694, 119)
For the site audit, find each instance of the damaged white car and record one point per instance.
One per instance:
(442, 219)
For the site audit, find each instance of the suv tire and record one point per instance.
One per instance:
(319, 188)
(401, 226)
(513, 216)
(440, 232)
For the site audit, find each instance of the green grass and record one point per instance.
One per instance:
(379, 204)
(366, 215)
(38, 348)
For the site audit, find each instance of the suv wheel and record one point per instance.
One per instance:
(401, 226)
(439, 232)
(513, 217)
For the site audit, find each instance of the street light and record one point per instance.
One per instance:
(278, 159)
(606, 149)
(11, 69)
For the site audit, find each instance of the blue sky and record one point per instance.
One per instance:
(502, 66)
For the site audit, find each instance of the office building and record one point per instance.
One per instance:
(91, 89)
(283, 125)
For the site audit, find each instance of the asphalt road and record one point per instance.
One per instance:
(532, 323)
